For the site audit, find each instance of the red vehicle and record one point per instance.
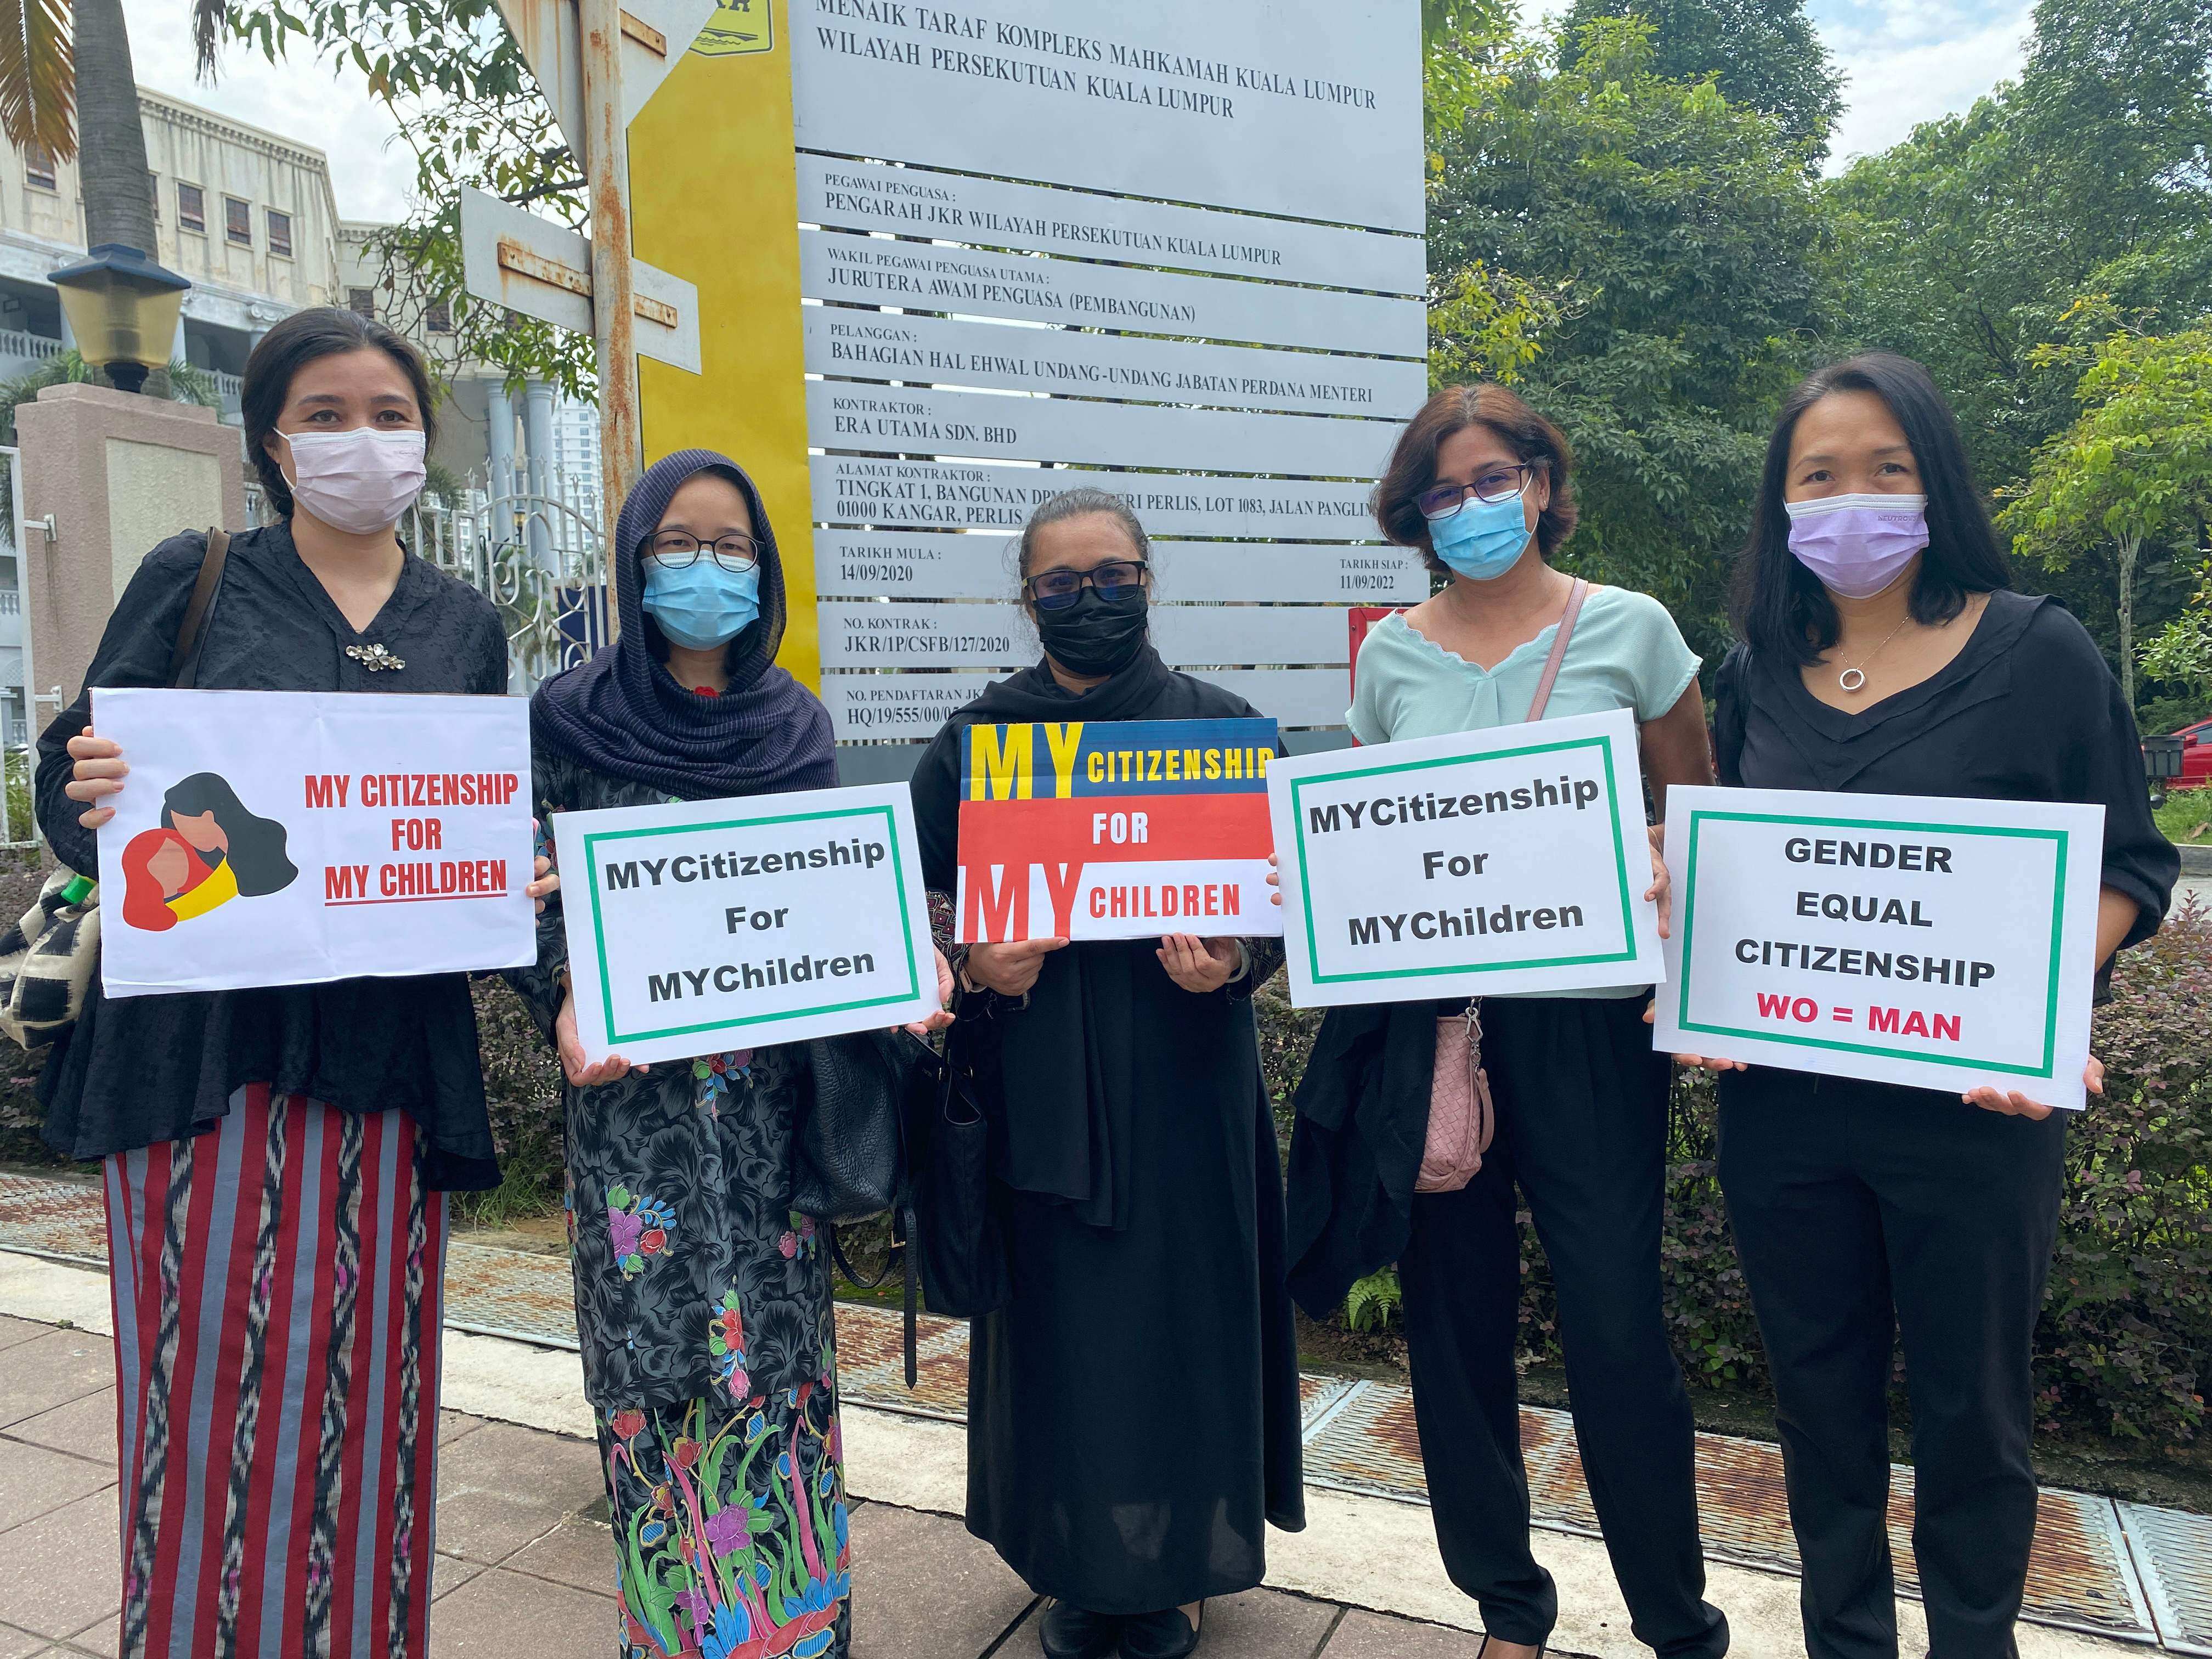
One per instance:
(2196, 757)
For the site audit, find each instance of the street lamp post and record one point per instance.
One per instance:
(122, 308)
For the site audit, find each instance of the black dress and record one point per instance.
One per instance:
(1133, 1415)
(1868, 1211)
(148, 1069)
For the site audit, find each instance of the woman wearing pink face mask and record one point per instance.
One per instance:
(277, 1160)
(1884, 654)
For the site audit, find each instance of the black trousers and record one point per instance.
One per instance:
(1582, 1118)
(1862, 1211)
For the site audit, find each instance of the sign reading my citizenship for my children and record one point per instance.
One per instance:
(711, 925)
(1115, 829)
(1944, 944)
(289, 837)
(1510, 859)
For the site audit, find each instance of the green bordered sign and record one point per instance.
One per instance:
(1939, 943)
(1513, 860)
(705, 926)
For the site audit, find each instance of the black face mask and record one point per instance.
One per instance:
(1096, 634)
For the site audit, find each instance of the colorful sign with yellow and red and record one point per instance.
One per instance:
(1116, 830)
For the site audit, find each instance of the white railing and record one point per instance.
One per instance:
(11, 603)
(33, 347)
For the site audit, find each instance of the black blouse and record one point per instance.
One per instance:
(147, 1069)
(2026, 711)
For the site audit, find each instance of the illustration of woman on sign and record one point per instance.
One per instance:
(208, 851)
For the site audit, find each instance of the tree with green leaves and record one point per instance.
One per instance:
(1765, 54)
(2133, 472)
(1968, 245)
(470, 113)
(1674, 239)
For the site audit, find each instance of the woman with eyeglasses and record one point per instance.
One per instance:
(1480, 484)
(702, 1298)
(1133, 1412)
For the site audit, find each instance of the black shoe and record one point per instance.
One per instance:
(1165, 1635)
(1068, 1632)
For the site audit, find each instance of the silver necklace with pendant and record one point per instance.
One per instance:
(1854, 679)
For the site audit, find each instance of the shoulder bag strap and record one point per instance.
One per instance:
(1576, 595)
(184, 659)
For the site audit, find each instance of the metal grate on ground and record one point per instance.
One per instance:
(2127, 1571)
(2172, 1554)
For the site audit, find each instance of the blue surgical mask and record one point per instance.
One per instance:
(1481, 539)
(701, 605)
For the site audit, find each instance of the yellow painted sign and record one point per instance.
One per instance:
(713, 198)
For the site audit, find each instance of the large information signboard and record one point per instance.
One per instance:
(995, 252)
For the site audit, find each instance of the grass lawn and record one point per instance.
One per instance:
(2187, 816)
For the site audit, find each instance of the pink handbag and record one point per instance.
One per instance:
(1461, 1118)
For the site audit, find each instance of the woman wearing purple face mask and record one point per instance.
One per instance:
(1884, 654)
(277, 1159)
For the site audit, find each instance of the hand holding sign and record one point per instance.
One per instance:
(1904, 939)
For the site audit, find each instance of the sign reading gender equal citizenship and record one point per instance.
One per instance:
(1905, 938)
(1510, 859)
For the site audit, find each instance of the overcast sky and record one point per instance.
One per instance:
(1907, 61)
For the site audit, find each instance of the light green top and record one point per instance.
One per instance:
(1626, 653)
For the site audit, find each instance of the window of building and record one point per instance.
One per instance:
(438, 317)
(154, 190)
(362, 300)
(280, 233)
(192, 207)
(38, 168)
(237, 221)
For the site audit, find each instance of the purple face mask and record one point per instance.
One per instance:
(1857, 544)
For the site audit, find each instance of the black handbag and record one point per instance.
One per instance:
(952, 1224)
(848, 1159)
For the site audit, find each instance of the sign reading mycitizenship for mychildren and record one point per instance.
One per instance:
(1510, 859)
(1945, 943)
(714, 925)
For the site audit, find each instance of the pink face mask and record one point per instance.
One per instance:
(360, 481)
(1857, 544)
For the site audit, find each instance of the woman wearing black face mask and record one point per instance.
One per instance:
(1134, 1412)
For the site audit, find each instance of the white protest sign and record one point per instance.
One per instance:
(714, 925)
(292, 837)
(1510, 859)
(1943, 943)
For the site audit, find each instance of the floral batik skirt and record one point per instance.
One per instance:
(278, 1281)
(731, 1535)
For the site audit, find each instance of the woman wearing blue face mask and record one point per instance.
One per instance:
(1480, 484)
(703, 1299)
(1885, 654)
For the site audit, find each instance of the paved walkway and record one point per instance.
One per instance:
(523, 1551)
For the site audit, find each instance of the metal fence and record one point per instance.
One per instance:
(538, 558)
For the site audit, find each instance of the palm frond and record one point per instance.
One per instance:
(210, 22)
(38, 76)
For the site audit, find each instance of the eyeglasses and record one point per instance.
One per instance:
(1497, 484)
(1055, 590)
(675, 550)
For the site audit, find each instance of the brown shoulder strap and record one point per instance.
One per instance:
(1576, 595)
(184, 660)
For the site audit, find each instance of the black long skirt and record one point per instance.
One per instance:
(1133, 1413)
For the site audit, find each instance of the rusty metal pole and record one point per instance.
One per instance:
(606, 165)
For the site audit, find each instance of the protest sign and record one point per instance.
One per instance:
(1510, 859)
(714, 925)
(1115, 829)
(1906, 938)
(291, 837)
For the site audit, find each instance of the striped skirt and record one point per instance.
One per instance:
(278, 1286)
